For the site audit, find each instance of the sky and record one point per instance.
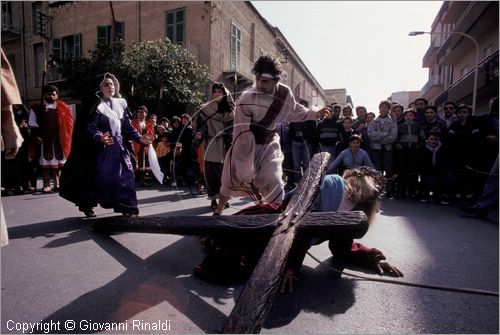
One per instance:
(362, 46)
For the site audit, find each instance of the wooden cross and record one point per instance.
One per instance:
(254, 303)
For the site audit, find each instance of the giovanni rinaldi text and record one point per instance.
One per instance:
(86, 325)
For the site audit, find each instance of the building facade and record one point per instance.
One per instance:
(405, 97)
(226, 36)
(339, 96)
(451, 57)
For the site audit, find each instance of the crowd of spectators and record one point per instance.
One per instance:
(425, 153)
(428, 154)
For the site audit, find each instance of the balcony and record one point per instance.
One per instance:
(430, 55)
(477, 19)
(239, 76)
(453, 11)
(443, 11)
(433, 86)
(461, 90)
(9, 30)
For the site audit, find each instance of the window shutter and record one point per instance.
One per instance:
(102, 35)
(175, 25)
(120, 29)
(56, 49)
(77, 47)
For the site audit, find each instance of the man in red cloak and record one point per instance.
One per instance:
(52, 127)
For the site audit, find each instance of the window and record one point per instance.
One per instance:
(36, 8)
(67, 47)
(235, 47)
(105, 34)
(6, 14)
(175, 23)
(38, 64)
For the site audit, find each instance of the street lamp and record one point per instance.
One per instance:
(476, 71)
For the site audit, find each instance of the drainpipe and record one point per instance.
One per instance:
(23, 54)
(138, 30)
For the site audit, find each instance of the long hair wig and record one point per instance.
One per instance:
(364, 187)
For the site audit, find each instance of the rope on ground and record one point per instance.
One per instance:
(467, 167)
(405, 283)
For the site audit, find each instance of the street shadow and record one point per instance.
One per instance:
(166, 276)
(170, 197)
(317, 291)
(148, 283)
(78, 229)
(49, 229)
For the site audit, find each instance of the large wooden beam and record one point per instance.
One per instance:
(256, 298)
(189, 225)
(352, 224)
(254, 303)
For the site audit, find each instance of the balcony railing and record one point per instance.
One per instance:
(488, 71)
(10, 29)
(434, 80)
(7, 21)
(426, 61)
(244, 66)
(467, 19)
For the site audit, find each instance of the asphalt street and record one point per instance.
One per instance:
(59, 276)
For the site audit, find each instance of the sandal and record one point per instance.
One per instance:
(46, 190)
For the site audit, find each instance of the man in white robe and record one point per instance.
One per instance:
(11, 138)
(253, 164)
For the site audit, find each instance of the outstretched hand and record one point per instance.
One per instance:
(383, 267)
(324, 113)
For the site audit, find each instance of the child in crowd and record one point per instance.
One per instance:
(383, 132)
(164, 154)
(196, 166)
(345, 134)
(177, 179)
(397, 113)
(351, 158)
(410, 139)
(431, 121)
(370, 116)
(463, 140)
(435, 175)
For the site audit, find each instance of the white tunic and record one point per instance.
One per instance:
(249, 163)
